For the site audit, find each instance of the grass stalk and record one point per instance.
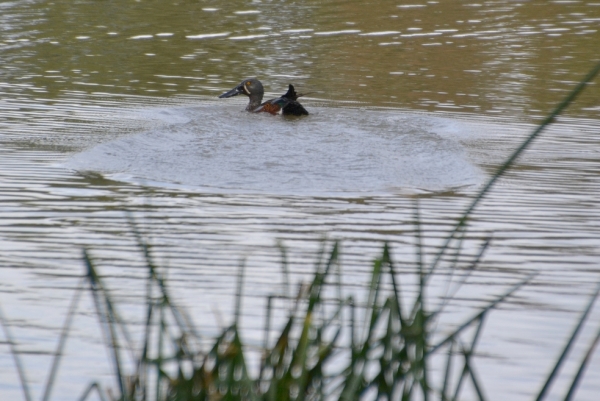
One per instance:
(238, 295)
(462, 222)
(568, 346)
(62, 340)
(88, 391)
(482, 312)
(107, 322)
(15, 355)
(582, 367)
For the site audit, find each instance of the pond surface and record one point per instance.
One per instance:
(109, 110)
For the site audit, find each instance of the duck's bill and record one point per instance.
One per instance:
(234, 92)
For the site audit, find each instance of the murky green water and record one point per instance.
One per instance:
(110, 107)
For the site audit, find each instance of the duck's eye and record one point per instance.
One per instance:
(248, 83)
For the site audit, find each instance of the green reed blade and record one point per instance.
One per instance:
(267, 330)
(480, 314)
(352, 324)
(339, 287)
(355, 378)
(512, 158)
(62, 340)
(397, 291)
(418, 306)
(467, 367)
(568, 346)
(582, 367)
(181, 318)
(15, 354)
(110, 335)
(88, 391)
(111, 312)
(463, 373)
(159, 357)
(450, 294)
(447, 371)
(372, 298)
(238, 295)
(475, 381)
(285, 267)
(408, 390)
(142, 362)
(418, 237)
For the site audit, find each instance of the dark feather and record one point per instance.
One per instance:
(293, 108)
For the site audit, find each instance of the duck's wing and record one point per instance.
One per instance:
(273, 106)
(291, 93)
(294, 108)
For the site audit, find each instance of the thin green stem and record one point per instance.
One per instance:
(512, 158)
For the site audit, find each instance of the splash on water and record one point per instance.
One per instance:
(332, 151)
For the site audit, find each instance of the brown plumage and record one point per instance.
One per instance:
(252, 87)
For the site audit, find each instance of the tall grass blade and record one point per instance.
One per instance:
(356, 371)
(475, 381)
(568, 346)
(582, 367)
(481, 313)
(110, 335)
(183, 321)
(512, 158)
(285, 267)
(397, 293)
(62, 340)
(450, 294)
(238, 295)
(159, 358)
(17, 359)
(420, 320)
(447, 371)
(467, 369)
(88, 391)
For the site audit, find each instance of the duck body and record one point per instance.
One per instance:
(287, 104)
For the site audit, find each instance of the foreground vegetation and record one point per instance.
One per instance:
(330, 347)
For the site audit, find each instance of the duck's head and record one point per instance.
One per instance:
(250, 87)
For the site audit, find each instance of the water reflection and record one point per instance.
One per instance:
(497, 56)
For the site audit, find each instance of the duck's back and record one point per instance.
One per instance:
(293, 108)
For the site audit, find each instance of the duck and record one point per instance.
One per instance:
(287, 104)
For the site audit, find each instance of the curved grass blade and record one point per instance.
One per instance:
(181, 318)
(512, 158)
(88, 391)
(63, 338)
(481, 313)
(108, 323)
(354, 382)
(450, 294)
(285, 267)
(13, 351)
(582, 367)
(397, 295)
(447, 372)
(568, 346)
(238, 295)
(467, 353)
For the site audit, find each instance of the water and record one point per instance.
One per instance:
(108, 109)
(353, 152)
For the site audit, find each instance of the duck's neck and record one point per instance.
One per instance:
(255, 101)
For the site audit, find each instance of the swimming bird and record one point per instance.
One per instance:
(287, 104)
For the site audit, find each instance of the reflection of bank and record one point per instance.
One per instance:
(332, 151)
